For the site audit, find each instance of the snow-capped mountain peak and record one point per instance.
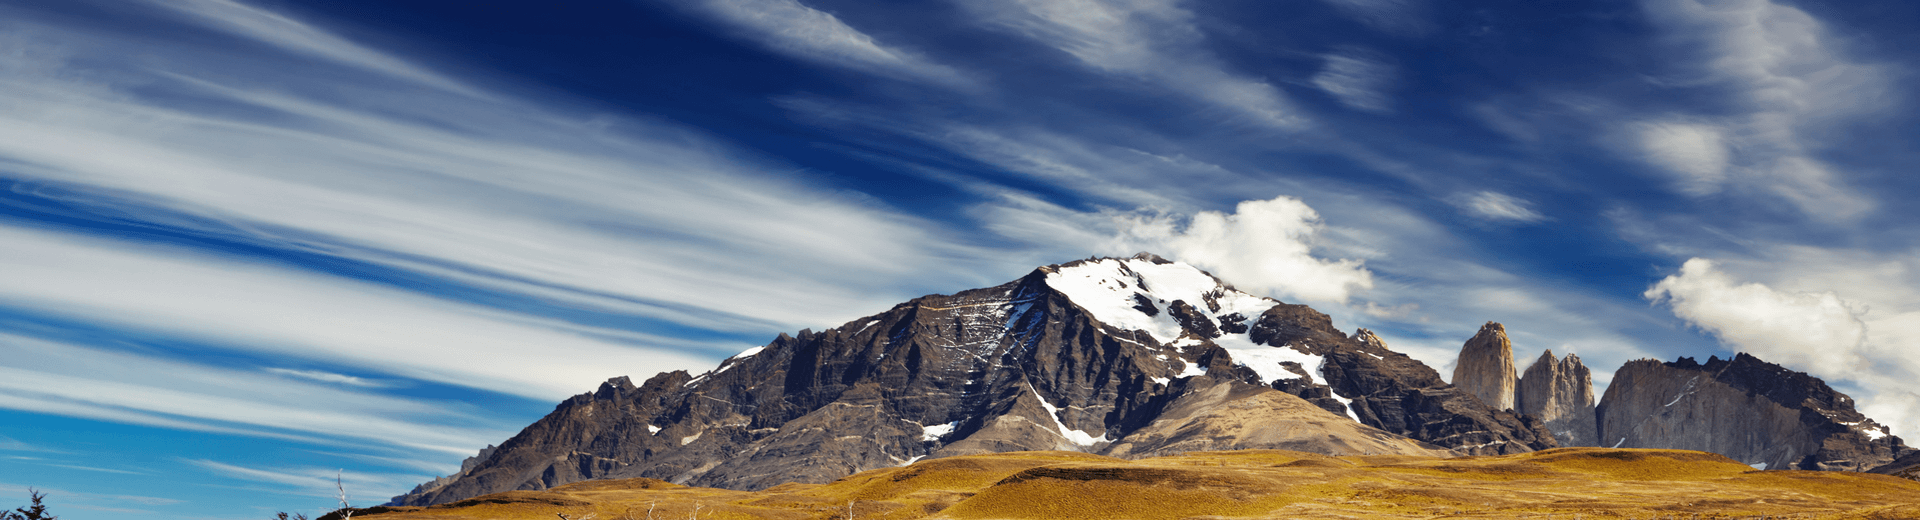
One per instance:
(1139, 293)
(1182, 306)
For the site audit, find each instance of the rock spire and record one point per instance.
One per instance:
(1485, 367)
(1560, 392)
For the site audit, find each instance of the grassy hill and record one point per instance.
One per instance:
(1566, 483)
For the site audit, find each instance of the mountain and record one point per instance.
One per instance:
(1756, 412)
(1485, 367)
(1907, 466)
(1135, 357)
(1560, 392)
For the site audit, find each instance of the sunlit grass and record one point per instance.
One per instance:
(1566, 484)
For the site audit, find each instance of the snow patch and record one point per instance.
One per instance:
(1349, 403)
(689, 439)
(1762, 466)
(1193, 369)
(910, 461)
(1684, 392)
(653, 430)
(1161, 380)
(1107, 288)
(1266, 360)
(748, 353)
(1623, 440)
(1873, 434)
(935, 432)
(1321, 370)
(1078, 437)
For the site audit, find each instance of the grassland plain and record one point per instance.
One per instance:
(1565, 483)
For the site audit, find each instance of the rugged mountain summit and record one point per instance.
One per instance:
(1133, 357)
(1751, 410)
(1485, 367)
(1560, 392)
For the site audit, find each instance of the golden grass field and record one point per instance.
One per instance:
(1565, 483)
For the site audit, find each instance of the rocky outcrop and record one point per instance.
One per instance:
(1129, 356)
(1485, 367)
(1751, 410)
(1907, 466)
(1392, 391)
(1559, 392)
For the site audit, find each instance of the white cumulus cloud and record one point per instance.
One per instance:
(1817, 332)
(1264, 245)
(1814, 331)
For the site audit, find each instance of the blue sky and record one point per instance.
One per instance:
(250, 245)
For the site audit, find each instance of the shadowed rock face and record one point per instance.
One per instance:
(1485, 367)
(1393, 392)
(1132, 356)
(1751, 410)
(1560, 393)
(1907, 466)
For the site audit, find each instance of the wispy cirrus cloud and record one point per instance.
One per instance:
(1496, 206)
(623, 217)
(64, 379)
(11, 444)
(1697, 154)
(795, 29)
(296, 36)
(310, 481)
(91, 500)
(1153, 40)
(1789, 81)
(1398, 17)
(1358, 79)
(328, 377)
(304, 315)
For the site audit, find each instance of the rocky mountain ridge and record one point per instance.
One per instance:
(1757, 412)
(1742, 407)
(1136, 357)
(1140, 357)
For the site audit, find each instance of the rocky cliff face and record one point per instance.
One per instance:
(1560, 393)
(1907, 467)
(1391, 391)
(1753, 411)
(1125, 356)
(1485, 367)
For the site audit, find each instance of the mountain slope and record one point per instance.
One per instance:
(1134, 356)
(1751, 410)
